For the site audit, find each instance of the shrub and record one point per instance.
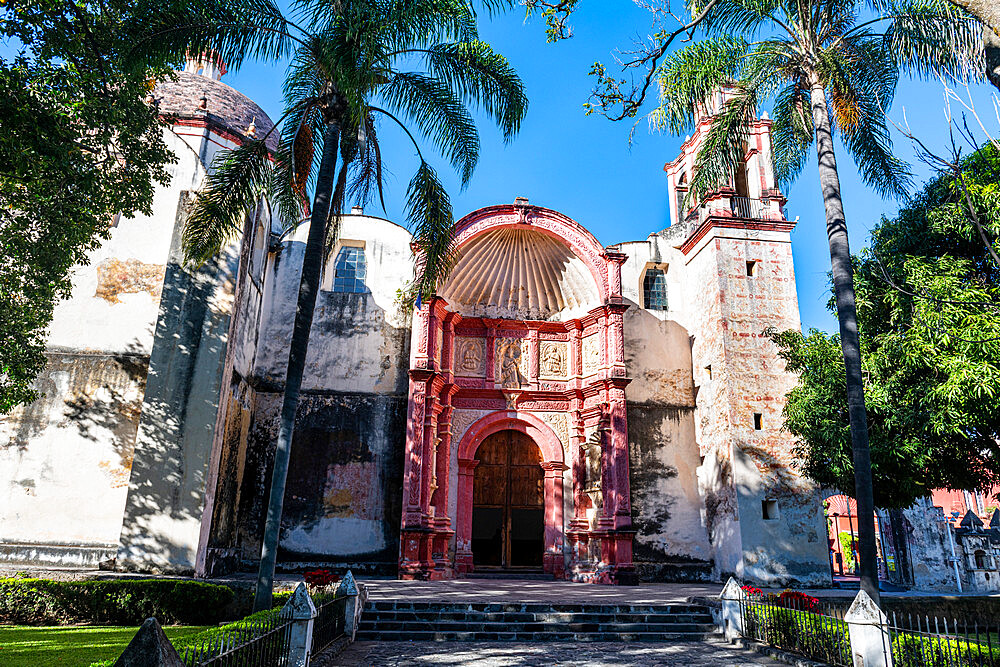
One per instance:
(910, 650)
(111, 602)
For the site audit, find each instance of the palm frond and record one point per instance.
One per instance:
(791, 132)
(441, 117)
(237, 180)
(860, 78)
(935, 38)
(484, 78)
(233, 31)
(736, 17)
(691, 75)
(367, 177)
(725, 145)
(433, 225)
(416, 23)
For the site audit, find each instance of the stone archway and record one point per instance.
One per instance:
(552, 464)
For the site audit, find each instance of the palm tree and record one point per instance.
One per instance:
(415, 64)
(823, 67)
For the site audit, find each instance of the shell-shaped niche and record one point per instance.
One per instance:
(517, 273)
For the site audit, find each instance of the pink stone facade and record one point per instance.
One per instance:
(568, 384)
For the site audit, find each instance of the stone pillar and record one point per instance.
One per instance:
(533, 352)
(869, 633)
(301, 611)
(357, 596)
(553, 561)
(731, 618)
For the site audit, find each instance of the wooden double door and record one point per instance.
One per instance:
(508, 505)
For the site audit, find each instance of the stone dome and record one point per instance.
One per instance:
(193, 97)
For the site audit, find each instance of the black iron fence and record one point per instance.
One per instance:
(263, 641)
(329, 624)
(917, 641)
(745, 207)
(799, 625)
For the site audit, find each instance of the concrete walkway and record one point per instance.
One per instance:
(509, 654)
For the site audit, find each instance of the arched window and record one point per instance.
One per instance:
(349, 270)
(654, 289)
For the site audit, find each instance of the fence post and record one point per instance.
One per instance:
(869, 633)
(301, 611)
(357, 596)
(732, 609)
(149, 648)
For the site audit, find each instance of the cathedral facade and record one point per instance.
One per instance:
(598, 413)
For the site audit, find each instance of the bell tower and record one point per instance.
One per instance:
(764, 519)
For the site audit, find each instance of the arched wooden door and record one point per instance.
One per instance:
(508, 503)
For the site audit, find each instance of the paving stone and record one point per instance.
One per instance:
(566, 653)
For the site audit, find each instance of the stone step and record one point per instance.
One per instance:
(455, 626)
(408, 635)
(527, 617)
(508, 576)
(534, 607)
(400, 620)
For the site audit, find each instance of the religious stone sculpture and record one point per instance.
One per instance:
(510, 366)
(553, 360)
(471, 358)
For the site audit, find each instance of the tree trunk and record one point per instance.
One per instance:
(843, 287)
(312, 265)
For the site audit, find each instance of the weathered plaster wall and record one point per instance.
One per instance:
(163, 514)
(65, 460)
(344, 489)
(663, 449)
(357, 341)
(68, 455)
(929, 549)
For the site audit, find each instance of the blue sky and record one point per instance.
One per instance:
(584, 166)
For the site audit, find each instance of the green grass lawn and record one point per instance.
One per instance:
(72, 646)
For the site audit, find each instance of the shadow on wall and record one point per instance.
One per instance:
(166, 494)
(343, 498)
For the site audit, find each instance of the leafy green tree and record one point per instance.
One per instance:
(412, 63)
(822, 70)
(78, 145)
(928, 293)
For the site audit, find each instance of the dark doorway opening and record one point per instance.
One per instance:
(508, 504)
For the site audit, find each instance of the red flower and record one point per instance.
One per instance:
(752, 592)
(320, 578)
(798, 600)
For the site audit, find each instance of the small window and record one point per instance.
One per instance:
(349, 271)
(708, 371)
(751, 268)
(769, 510)
(980, 559)
(654, 289)
(758, 421)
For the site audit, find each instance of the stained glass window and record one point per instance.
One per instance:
(655, 289)
(349, 271)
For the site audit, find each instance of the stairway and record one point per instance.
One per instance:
(399, 620)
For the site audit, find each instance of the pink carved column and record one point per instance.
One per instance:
(533, 357)
(553, 561)
(463, 518)
(415, 558)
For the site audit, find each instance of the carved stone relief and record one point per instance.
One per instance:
(552, 359)
(591, 354)
(558, 422)
(511, 362)
(470, 357)
(461, 420)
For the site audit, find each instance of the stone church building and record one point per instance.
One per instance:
(606, 414)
